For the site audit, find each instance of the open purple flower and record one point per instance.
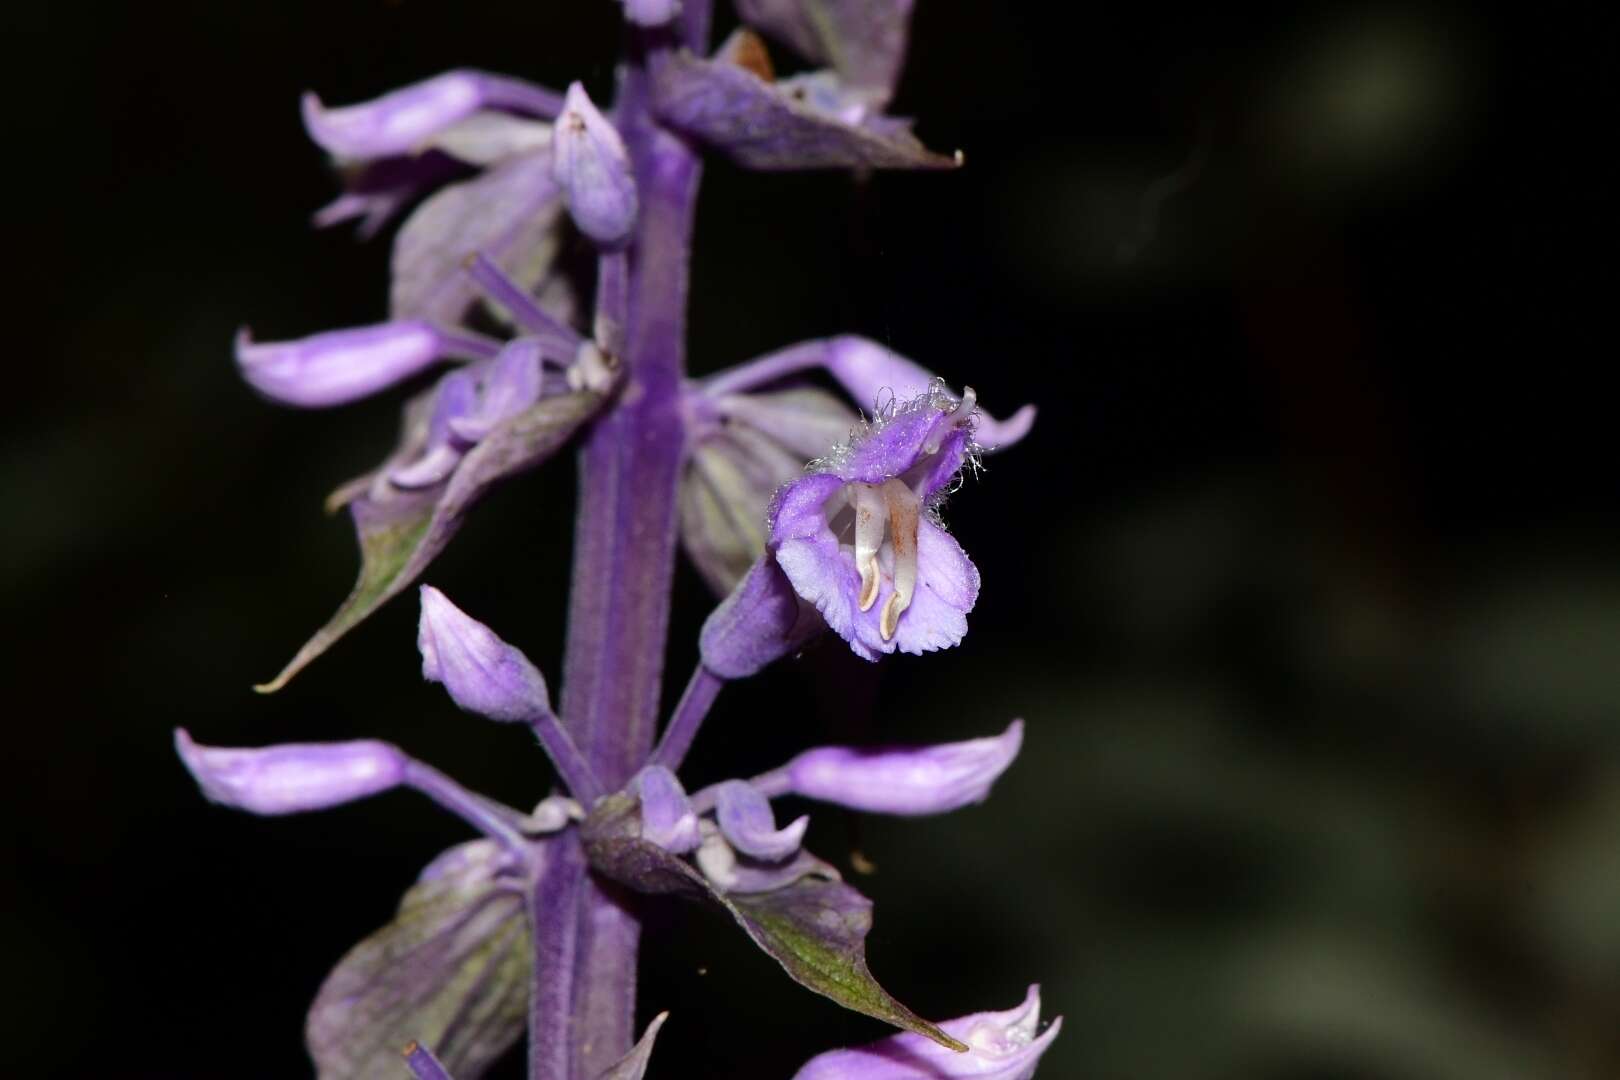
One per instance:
(859, 537)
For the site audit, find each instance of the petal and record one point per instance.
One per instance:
(451, 969)
(340, 366)
(507, 214)
(455, 396)
(763, 126)
(820, 571)
(746, 821)
(872, 373)
(1001, 1046)
(666, 816)
(400, 121)
(910, 780)
(488, 138)
(483, 674)
(947, 587)
(292, 777)
(592, 166)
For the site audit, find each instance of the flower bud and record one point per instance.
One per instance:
(483, 674)
(666, 817)
(1001, 1046)
(912, 780)
(593, 168)
(340, 366)
(745, 819)
(292, 777)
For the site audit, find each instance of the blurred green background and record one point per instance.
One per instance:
(1304, 583)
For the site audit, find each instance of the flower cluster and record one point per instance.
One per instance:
(807, 512)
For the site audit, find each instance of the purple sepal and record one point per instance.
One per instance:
(401, 121)
(746, 820)
(402, 531)
(451, 970)
(633, 1066)
(292, 777)
(341, 366)
(762, 620)
(742, 447)
(865, 40)
(420, 1060)
(507, 213)
(592, 166)
(912, 780)
(872, 373)
(666, 816)
(482, 673)
(729, 104)
(1001, 1046)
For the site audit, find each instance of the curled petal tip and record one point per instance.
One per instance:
(745, 819)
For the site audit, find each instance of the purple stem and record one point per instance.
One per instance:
(487, 816)
(624, 562)
(554, 904)
(504, 92)
(558, 339)
(577, 774)
(767, 369)
(424, 1064)
(698, 696)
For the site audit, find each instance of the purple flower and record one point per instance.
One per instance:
(860, 540)
(911, 780)
(750, 431)
(341, 366)
(592, 166)
(409, 140)
(1001, 1046)
(292, 777)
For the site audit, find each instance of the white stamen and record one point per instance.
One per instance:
(871, 519)
(904, 512)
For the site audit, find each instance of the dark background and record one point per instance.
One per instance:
(1304, 583)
